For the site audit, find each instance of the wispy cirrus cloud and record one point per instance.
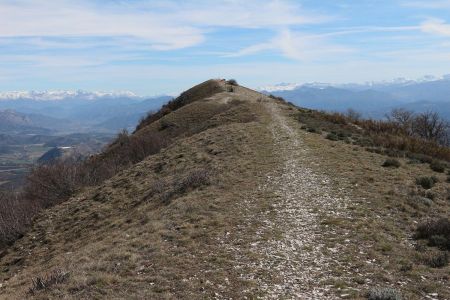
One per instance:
(38, 18)
(301, 46)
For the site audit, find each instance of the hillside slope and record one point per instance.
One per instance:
(242, 203)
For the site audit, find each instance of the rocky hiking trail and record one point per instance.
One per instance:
(296, 254)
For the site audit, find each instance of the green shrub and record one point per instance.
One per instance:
(391, 162)
(436, 232)
(426, 182)
(437, 166)
(332, 137)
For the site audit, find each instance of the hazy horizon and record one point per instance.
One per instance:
(289, 85)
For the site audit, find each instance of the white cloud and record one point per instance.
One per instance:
(63, 18)
(163, 25)
(297, 46)
(303, 47)
(437, 27)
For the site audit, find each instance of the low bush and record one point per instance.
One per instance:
(437, 166)
(281, 99)
(332, 137)
(417, 200)
(384, 294)
(313, 130)
(386, 134)
(426, 182)
(436, 259)
(391, 163)
(232, 82)
(436, 232)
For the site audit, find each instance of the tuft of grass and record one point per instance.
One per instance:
(426, 182)
(391, 162)
(379, 293)
(180, 185)
(47, 281)
(437, 166)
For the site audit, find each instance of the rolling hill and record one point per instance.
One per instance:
(227, 193)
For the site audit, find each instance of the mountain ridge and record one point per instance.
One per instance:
(240, 201)
(372, 100)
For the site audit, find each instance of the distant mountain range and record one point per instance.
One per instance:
(68, 112)
(64, 95)
(373, 99)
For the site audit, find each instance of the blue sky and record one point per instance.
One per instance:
(154, 47)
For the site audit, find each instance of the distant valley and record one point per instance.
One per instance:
(39, 127)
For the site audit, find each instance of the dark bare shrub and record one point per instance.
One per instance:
(48, 185)
(430, 126)
(353, 115)
(403, 118)
(15, 216)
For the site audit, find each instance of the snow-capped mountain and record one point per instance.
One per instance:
(280, 87)
(396, 82)
(59, 95)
